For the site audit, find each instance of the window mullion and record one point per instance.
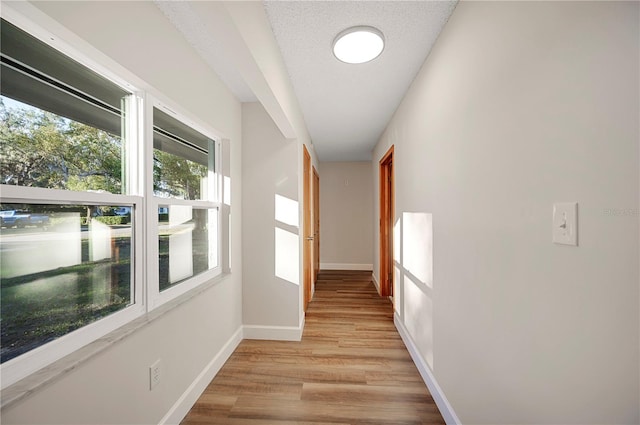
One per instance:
(150, 206)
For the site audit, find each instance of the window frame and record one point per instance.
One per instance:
(155, 297)
(137, 193)
(33, 360)
(27, 363)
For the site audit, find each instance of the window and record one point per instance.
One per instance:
(63, 267)
(186, 241)
(68, 257)
(75, 179)
(185, 188)
(44, 149)
(181, 162)
(62, 124)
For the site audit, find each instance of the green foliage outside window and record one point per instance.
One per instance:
(41, 149)
(177, 177)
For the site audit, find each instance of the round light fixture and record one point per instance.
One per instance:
(358, 44)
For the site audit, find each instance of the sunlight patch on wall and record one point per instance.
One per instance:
(397, 288)
(418, 310)
(397, 241)
(287, 256)
(417, 246)
(212, 218)
(226, 190)
(397, 267)
(287, 211)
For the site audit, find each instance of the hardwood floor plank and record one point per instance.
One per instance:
(351, 367)
(307, 373)
(319, 411)
(362, 394)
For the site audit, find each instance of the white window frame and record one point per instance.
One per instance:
(138, 161)
(27, 363)
(212, 200)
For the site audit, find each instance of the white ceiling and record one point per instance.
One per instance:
(346, 107)
(197, 31)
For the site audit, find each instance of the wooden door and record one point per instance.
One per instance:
(307, 232)
(316, 225)
(387, 219)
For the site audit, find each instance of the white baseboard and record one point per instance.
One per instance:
(375, 282)
(277, 333)
(427, 376)
(345, 266)
(186, 401)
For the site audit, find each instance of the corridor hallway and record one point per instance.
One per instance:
(351, 367)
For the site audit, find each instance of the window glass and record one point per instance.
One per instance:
(61, 124)
(187, 242)
(65, 264)
(42, 149)
(63, 267)
(67, 259)
(36, 74)
(180, 159)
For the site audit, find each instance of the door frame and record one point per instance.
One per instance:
(387, 219)
(316, 225)
(307, 235)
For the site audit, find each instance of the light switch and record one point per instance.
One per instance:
(565, 223)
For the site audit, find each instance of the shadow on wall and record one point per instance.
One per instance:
(413, 278)
(287, 240)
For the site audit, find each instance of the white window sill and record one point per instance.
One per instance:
(49, 374)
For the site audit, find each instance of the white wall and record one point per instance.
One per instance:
(520, 105)
(272, 225)
(346, 214)
(280, 103)
(112, 387)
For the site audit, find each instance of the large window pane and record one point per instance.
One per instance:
(61, 123)
(42, 149)
(63, 267)
(181, 159)
(36, 74)
(187, 242)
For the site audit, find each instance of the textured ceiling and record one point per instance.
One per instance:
(346, 107)
(195, 30)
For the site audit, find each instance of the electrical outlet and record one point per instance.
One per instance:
(155, 373)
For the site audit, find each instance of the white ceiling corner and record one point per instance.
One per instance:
(209, 47)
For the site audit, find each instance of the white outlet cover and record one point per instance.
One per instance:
(565, 223)
(155, 373)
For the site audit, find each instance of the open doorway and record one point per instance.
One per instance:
(387, 217)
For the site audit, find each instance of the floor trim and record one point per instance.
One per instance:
(276, 333)
(446, 410)
(345, 266)
(186, 401)
(375, 282)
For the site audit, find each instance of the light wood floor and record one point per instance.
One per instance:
(351, 367)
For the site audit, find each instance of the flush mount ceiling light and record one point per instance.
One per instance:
(358, 44)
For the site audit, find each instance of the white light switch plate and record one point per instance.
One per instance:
(565, 223)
